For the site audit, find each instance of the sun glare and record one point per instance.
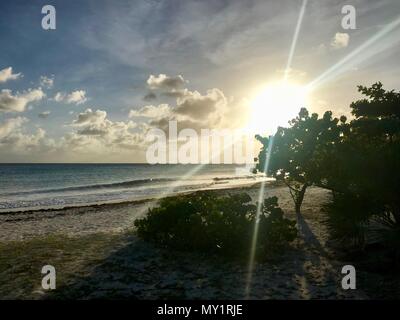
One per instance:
(275, 104)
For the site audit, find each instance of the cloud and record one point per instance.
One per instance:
(340, 40)
(90, 117)
(47, 82)
(6, 74)
(195, 36)
(175, 93)
(59, 97)
(9, 126)
(44, 115)
(13, 137)
(18, 102)
(192, 108)
(77, 97)
(164, 82)
(151, 111)
(211, 110)
(198, 106)
(163, 124)
(105, 132)
(150, 96)
(93, 136)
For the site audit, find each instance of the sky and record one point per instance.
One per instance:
(91, 89)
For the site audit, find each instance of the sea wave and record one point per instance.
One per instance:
(241, 177)
(115, 185)
(121, 185)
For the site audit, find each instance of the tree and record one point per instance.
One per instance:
(364, 171)
(370, 149)
(298, 153)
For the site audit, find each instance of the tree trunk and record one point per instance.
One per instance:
(300, 198)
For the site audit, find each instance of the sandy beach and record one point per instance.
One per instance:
(226, 151)
(98, 256)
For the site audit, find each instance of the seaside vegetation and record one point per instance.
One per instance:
(358, 160)
(217, 224)
(298, 152)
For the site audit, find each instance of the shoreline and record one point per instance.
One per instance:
(217, 186)
(99, 257)
(106, 217)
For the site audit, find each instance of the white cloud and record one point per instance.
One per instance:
(18, 102)
(198, 106)
(165, 82)
(10, 125)
(175, 93)
(93, 136)
(13, 137)
(47, 82)
(104, 132)
(151, 111)
(340, 40)
(90, 117)
(59, 97)
(194, 109)
(77, 97)
(7, 74)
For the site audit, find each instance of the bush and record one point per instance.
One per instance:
(348, 218)
(357, 222)
(205, 222)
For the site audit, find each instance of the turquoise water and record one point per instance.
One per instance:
(33, 186)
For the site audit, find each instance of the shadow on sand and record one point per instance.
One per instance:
(138, 270)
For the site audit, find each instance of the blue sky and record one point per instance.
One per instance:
(223, 51)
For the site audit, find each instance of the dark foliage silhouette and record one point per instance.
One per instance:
(222, 225)
(365, 173)
(298, 152)
(359, 161)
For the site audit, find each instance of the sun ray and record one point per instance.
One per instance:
(360, 53)
(196, 169)
(256, 224)
(295, 37)
(262, 186)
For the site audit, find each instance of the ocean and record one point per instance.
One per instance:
(42, 186)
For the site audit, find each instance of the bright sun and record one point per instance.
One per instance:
(275, 104)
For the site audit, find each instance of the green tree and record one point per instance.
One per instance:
(364, 170)
(298, 153)
(367, 160)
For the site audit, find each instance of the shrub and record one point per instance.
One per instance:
(208, 223)
(357, 222)
(347, 220)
